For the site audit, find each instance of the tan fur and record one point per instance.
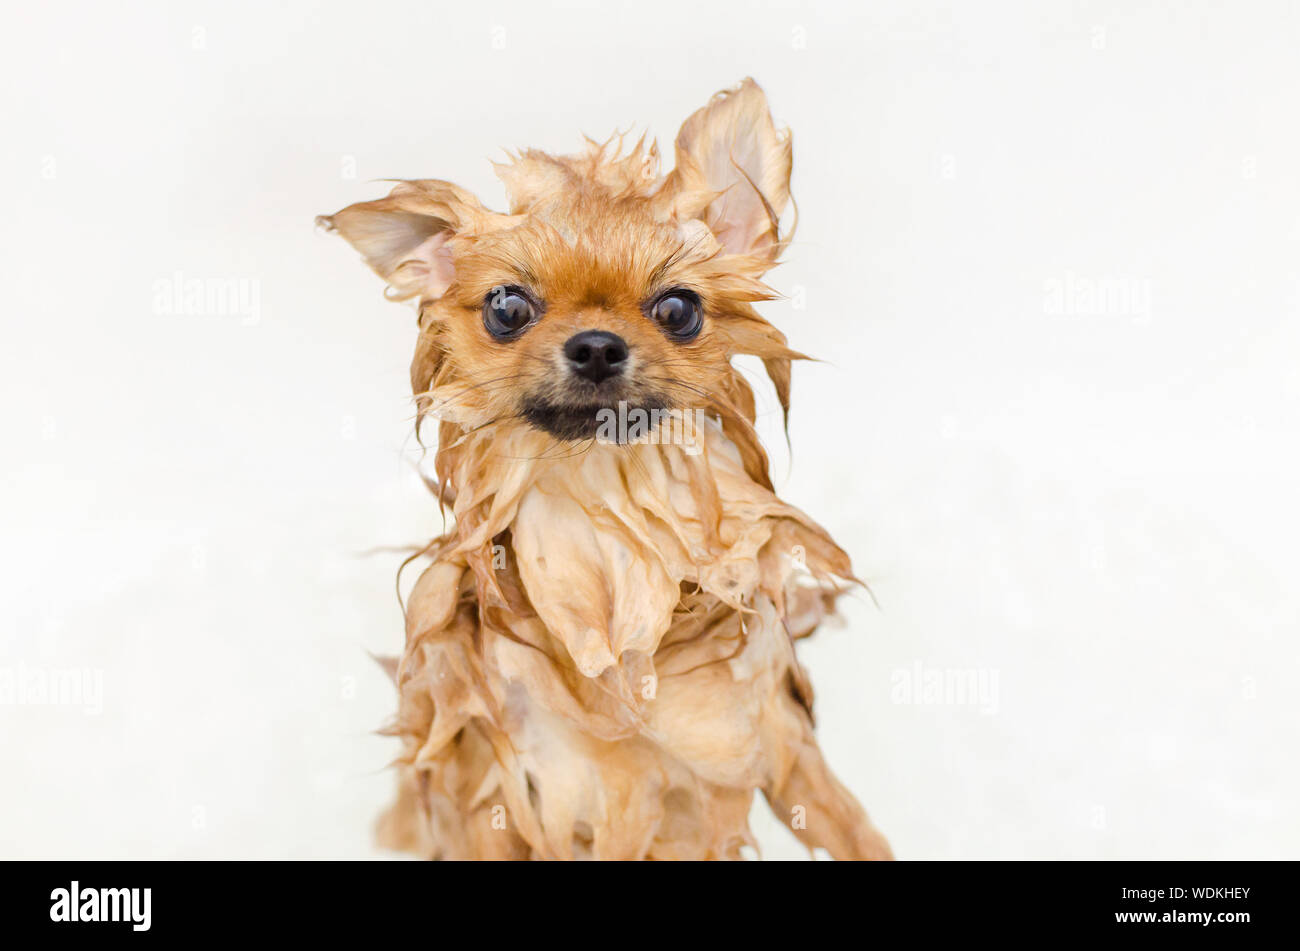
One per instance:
(599, 657)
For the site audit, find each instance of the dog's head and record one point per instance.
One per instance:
(606, 283)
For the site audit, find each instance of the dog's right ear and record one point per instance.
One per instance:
(405, 238)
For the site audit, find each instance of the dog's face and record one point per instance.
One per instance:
(606, 283)
(579, 306)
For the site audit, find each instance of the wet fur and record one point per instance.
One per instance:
(599, 655)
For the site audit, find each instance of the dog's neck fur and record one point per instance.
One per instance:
(605, 538)
(595, 593)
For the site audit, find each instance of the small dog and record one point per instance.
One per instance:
(600, 659)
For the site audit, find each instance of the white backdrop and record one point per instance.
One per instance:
(1048, 250)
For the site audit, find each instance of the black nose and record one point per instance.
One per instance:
(596, 355)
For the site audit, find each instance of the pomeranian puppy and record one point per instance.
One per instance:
(599, 658)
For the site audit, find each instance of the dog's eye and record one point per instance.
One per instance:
(678, 313)
(507, 311)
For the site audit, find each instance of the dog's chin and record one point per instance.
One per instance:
(573, 422)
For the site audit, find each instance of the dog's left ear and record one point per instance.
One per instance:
(733, 171)
(405, 237)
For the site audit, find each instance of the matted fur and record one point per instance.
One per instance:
(599, 656)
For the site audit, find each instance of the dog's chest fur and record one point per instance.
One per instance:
(600, 659)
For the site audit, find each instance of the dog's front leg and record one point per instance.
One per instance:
(822, 812)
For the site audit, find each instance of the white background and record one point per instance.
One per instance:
(1092, 501)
